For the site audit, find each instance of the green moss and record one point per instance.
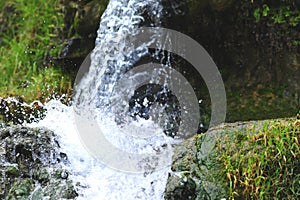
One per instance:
(20, 190)
(264, 165)
(12, 171)
(31, 33)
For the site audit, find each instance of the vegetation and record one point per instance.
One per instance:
(275, 22)
(260, 102)
(264, 165)
(287, 13)
(30, 36)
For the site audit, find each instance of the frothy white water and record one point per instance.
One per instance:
(110, 59)
(98, 181)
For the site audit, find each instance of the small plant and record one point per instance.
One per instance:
(258, 12)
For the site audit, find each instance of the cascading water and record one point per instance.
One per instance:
(111, 58)
(98, 181)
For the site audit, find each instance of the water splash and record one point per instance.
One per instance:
(97, 181)
(108, 62)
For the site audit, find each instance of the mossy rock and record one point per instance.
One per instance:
(29, 162)
(196, 167)
(214, 165)
(20, 189)
(87, 19)
(15, 111)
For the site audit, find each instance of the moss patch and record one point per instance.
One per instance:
(264, 162)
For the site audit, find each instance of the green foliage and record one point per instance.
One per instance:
(265, 165)
(284, 12)
(258, 12)
(274, 24)
(31, 34)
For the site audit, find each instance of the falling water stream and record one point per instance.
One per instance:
(94, 90)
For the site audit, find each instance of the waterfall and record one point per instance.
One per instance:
(130, 105)
(111, 175)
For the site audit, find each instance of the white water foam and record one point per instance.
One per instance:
(98, 181)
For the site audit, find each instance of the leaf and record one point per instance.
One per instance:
(266, 10)
(257, 14)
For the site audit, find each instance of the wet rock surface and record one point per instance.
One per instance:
(197, 170)
(32, 166)
(81, 19)
(16, 111)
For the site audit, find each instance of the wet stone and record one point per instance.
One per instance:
(29, 161)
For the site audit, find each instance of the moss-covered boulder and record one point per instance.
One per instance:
(251, 160)
(197, 172)
(32, 166)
